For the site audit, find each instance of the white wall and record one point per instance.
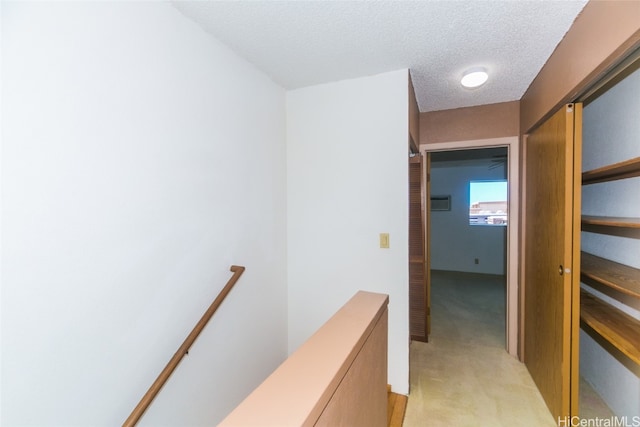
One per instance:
(454, 243)
(347, 182)
(611, 131)
(1, 174)
(140, 159)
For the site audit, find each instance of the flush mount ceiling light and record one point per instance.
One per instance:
(474, 77)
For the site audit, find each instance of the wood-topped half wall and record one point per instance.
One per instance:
(336, 378)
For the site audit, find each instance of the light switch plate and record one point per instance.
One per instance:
(384, 240)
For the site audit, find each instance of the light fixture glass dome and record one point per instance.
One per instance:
(474, 77)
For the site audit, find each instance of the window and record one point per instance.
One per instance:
(488, 203)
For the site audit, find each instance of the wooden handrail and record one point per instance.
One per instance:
(155, 388)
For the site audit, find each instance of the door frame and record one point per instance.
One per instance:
(512, 335)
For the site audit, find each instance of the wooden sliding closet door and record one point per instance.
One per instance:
(552, 258)
(418, 305)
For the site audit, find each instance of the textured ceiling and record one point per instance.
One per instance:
(303, 43)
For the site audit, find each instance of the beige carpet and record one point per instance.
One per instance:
(464, 376)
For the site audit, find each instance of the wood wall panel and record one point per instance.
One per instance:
(602, 33)
(414, 118)
(470, 123)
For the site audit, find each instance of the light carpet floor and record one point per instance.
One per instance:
(464, 376)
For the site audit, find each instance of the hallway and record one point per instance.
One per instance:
(464, 376)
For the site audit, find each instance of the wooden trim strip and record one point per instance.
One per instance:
(396, 407)
(157, 385)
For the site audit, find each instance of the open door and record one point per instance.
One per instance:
(418, 308)
(552, 258)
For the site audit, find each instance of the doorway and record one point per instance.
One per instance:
(510, 144)
(465, 371)
(468, 243)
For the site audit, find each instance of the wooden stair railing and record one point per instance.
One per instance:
(155, 388)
